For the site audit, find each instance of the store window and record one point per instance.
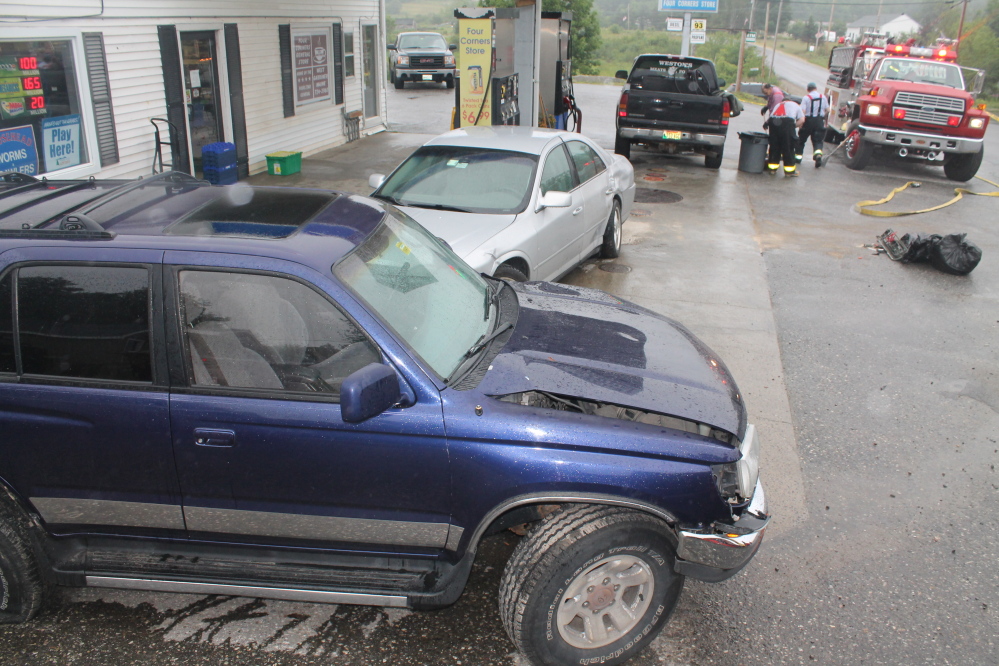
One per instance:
(41, 124)
(348, 54)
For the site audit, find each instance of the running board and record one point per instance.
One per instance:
(287, 594)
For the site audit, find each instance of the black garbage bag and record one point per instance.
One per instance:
(953, 254)
(919, 247)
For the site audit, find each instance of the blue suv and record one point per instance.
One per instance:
(301, 394)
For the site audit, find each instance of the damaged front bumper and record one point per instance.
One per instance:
(722, 550)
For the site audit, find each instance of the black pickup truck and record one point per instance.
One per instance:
(677, 103)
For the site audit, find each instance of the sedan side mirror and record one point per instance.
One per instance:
(555, 200)
(368, 392)
(375, 180)
(621, 74)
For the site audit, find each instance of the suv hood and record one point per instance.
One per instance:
(590, 345)
(463, 231)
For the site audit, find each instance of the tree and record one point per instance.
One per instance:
(585, 29)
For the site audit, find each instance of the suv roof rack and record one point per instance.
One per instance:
(74, 226)
(175, 177)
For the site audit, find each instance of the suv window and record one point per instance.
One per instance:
(7, 360)
(88, 322)
(557, 176)
(266, 332)
(588, 163)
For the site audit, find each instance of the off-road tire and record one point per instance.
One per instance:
(563, 549)
(611, 247)
(507, 272)
(963, 166)
(21, 585)
(622, 147)
(857, 152)
(714, 162)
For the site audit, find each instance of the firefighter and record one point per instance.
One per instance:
(784, 119)
(815, 106)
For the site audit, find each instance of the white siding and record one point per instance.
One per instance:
(135, 68)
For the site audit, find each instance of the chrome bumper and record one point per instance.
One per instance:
(723, 550)
(920, 141)
(687, 138)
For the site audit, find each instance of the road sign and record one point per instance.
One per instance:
(698, 38)
(688, 6)
(698, 25)
(750, 36)
(674, 25)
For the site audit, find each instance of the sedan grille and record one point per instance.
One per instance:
(930, 109)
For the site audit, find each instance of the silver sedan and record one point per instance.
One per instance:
(515, 202)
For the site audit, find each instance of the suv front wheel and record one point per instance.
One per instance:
(589, 584)
(21, 587)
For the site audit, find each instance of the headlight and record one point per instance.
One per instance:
(977, 123)
(874, 109)
(449, 60)
(402, 60)
(738, 480)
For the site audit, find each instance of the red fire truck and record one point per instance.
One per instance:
(915, 101)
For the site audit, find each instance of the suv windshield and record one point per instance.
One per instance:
(432, 300)
(471, 180)
(432, 41)
(921, 71)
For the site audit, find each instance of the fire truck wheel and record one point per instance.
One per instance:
(963, 166)
(857, 152)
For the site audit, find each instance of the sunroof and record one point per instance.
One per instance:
(252, 213)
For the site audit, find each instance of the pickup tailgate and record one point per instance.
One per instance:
(653, 109)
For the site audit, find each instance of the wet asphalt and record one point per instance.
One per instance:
(874, 385)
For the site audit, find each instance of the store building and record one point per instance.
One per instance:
(81, 82)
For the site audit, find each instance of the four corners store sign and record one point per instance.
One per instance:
(475, 57)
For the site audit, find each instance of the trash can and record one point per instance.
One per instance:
(753, 153)
(284, 163)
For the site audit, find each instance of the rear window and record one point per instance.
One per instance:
(674, 74)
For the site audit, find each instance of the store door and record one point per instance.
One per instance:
(201, 92)
(370, 47)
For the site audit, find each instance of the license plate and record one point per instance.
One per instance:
(428, 77)
(672, 135)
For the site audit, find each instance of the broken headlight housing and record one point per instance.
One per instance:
(737, 481)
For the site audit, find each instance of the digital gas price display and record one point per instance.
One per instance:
(21, 91)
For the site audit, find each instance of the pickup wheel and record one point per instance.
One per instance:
(856, 151)
(589, 584)
(611, 247)
(716, 161)
(622, 147)
(449, 82)
(399, 83)
(21, 587)
(963, 166)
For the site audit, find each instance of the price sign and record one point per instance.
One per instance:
(698, 38)
(674, 25)
(698, 25)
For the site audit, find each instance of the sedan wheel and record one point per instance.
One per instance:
(611, 247)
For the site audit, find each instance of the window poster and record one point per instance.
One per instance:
(310, 53)
(18, 151)
(61, 142)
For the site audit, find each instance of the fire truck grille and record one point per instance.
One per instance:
(932, 109)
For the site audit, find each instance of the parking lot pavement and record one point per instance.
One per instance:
(874, 385)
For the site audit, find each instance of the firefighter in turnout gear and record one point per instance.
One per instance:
(785, 117)
(815, 106)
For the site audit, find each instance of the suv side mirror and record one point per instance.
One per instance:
(368, 392)
(555, 200)
(375, 180)
(621, 74)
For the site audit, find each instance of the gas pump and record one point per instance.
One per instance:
(558, 105)
(488, 87)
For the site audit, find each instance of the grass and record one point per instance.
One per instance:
(819, 56)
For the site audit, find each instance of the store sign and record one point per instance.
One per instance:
(674, 25)
(475, 53)
(61, 142)
(18, 151)
(688, 6)
(310, 50)
(750, 36)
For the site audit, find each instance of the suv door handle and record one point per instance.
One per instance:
(578, 211)
(209, 437)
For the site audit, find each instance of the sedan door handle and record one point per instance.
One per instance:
(609, 190)
(209, 437)
(578, 211)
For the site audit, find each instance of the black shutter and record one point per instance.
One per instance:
(337, 63)
(287, 71)
(100, 97)
(173, 83)
(236, 107)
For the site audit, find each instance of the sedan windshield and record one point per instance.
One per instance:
(921, 71)
(432, 300)
(435, 42)
(471, 180)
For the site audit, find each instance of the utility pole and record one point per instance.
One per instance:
(742, 47)
(960, 30)
(877, 27)
(766, 26)
(776, 32)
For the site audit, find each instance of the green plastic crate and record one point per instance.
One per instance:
(284, 163)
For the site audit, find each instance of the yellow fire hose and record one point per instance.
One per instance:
(863, 207)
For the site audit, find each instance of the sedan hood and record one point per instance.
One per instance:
(463, 231)
(588, 344)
